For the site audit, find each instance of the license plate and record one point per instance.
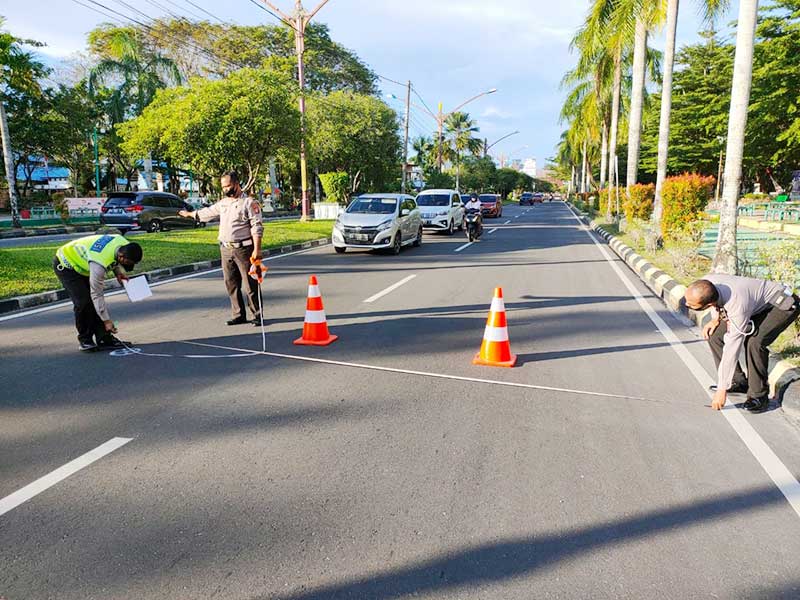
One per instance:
(361, 237)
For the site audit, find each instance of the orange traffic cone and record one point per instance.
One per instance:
(495, 349)
(315, 327)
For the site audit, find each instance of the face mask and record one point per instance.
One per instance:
(231, 192)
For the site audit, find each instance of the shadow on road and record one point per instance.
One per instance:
(500, 561)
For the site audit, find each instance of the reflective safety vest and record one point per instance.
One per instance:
(101, 249)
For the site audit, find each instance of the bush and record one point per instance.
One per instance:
(336, 186)
(610, 194)
(683, 198)
(638, 202)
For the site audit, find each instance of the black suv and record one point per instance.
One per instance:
(151, 211)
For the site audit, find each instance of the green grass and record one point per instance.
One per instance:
(28, 269)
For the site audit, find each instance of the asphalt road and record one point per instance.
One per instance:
(251, 475)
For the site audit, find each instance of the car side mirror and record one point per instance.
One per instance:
(405, 212)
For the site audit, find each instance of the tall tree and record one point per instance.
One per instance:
(19, 74)
(725, 258)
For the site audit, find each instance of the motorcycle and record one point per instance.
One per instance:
(474, 224)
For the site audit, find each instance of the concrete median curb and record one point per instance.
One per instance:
(33, 300)
(22, 233)
(782, 374)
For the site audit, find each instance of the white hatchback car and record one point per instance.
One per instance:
(441, 210)
(378, 222)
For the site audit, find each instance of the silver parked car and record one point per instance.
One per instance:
(377, 222)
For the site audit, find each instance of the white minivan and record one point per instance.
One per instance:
(378, 222)
(441, 210)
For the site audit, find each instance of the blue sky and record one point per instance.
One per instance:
(449, 49)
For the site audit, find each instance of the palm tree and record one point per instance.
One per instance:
(140, 70)
(19, 72)
(424, 148)
(460, 129)
(725, 258)
(711, 8)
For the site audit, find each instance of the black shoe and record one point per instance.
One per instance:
(89, 346)
(237, 321)
(734, 389)
(757, 405)
(110, 342)
(257, 321)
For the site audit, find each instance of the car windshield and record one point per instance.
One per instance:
(373, 206)
(433, 200)
(127, 200)
(488, 198)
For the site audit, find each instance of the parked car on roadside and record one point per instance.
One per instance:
(491, 205)
(441, 210)
(151, 211)
(378, 222)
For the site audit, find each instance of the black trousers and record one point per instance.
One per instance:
(87, 321)
(235, 267)
(769, 325)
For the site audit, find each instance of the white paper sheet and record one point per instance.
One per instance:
(137, 288)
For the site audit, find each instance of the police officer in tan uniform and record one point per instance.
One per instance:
(240, 232)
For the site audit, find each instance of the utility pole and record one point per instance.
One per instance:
(405, 142)
(299, 22)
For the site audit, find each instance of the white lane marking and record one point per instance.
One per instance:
(460, 248)
(42, 309)
(766, 457)
(518, 216)
(37, 487)
(428, 374)
(507, 222)
(493, 230)
(389, 289)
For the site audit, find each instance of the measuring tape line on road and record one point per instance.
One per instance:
(513, 384)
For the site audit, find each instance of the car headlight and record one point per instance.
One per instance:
(338, 226)
(385, 225)
(442, 213)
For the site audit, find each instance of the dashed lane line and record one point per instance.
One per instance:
(389, 289)
(13, 500)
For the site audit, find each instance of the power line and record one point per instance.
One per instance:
(149, 30)
(213, 16)
(268, 11)
(421, 99)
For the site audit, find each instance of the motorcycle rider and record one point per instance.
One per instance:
(473, 204)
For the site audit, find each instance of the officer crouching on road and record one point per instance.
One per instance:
(240, 232)
(81, 266)
(749, 312)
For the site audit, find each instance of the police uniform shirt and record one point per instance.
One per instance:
(239, 218)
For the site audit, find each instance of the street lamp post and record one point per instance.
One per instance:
(487, 146)
(440, 118)
(299, 22)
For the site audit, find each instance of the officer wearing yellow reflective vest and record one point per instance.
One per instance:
(81, 266)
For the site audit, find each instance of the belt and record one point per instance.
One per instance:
(243, 244)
